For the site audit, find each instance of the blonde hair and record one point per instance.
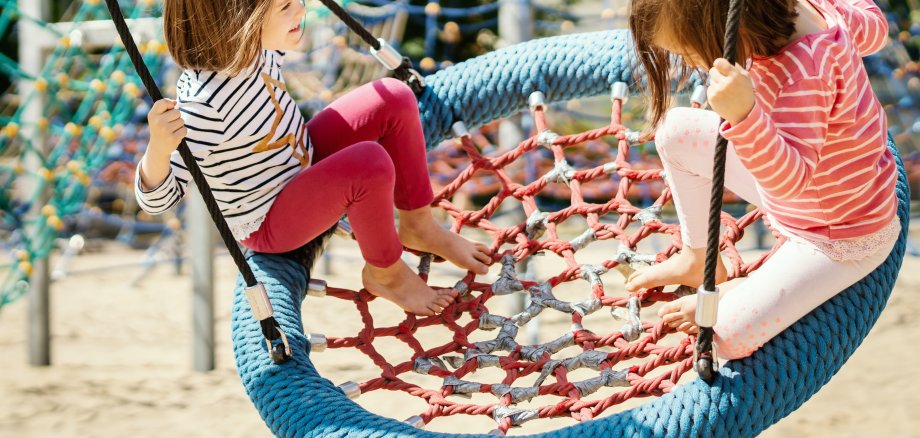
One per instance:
(215, 35)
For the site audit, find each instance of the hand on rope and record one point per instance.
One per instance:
(731, 91)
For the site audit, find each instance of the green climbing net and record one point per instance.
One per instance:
(47, 164)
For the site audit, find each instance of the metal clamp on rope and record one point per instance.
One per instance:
(283, 355)
(316, 288)
(707, 307)
(459, 129)
(351, 389)
(387, 55)
(699, 95)
(704, 356)
(259, 302)
(619, 91)
(415, 421)
(537, 100)
(317, 342)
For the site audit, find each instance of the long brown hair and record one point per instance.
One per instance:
(215, 35)
(698, 26)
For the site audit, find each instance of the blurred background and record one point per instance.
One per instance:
(113, 321)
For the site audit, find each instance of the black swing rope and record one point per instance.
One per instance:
(705, 363)
(271, 330)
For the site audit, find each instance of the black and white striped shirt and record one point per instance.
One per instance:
(248, 137)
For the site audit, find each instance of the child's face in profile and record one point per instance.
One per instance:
(283, 27)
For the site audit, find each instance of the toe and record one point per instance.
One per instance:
(635, 281)
(443, 301)
(483, 257)
(666, 308)
(673, 319)
(686, 327)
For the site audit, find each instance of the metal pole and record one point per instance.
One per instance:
(201, 247)
(516, 25)
(30, 59)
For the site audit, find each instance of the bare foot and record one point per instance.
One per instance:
(683, 268)
(680, 314)
(419, 231)
(397, 283)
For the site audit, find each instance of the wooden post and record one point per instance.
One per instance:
(31, 60)
(516, 25)
(200, 240)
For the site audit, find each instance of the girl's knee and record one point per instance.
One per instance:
(733, 344)
(686, 131)
(398, 94)
(373, 162)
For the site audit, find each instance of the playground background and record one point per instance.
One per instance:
(122, 333)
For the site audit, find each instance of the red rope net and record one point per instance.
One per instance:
(605, 353)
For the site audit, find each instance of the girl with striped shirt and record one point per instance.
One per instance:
(807, 145)
(280, 181)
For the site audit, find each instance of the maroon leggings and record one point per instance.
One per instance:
(368, 156)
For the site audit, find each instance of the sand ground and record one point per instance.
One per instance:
(122, 361)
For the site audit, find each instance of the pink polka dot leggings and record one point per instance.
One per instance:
(793, 282)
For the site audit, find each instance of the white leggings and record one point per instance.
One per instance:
(795, 280)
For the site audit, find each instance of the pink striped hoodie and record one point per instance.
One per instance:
(815, 140)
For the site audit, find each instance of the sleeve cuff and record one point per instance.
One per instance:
(744, 132)
(152, 193)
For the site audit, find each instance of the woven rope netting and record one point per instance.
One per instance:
(611, 349)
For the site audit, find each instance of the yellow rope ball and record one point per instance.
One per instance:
(156, 47)
(118, 77)
(132, 90)
(41, 85)
(43, 124)
(46, 174)
(108, 134)
(567, 26)
(56, 223)
(95, 122)
(326, 96)
(74, 166)
(608, 13)
(340, 41)
(174, 224)
(91, 2)
(84, 179)
(62, 79)
(19, 169)
(432, 9)
(98, 86)
(25, 268)
(49, 210)
(11, 130)
(427, 64)
(22, 255)
(65, 41)
(72, 129)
